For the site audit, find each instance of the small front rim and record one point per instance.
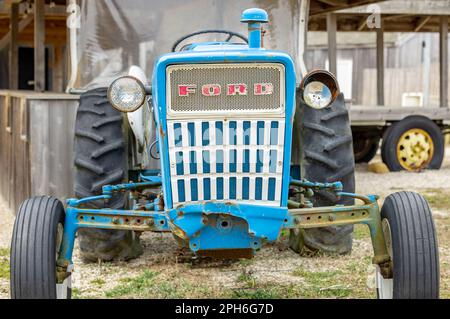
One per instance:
(385, 287)
(62, 290)
(415, 149)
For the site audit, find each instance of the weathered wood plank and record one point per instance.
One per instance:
(13, 48)
(380, 65)
(363, 115)
(332, 48)
(39, 45)
(443, 60)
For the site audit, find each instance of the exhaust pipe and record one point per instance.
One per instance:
(254, 18)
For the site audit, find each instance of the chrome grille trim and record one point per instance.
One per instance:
(242, 106)
(239, 172)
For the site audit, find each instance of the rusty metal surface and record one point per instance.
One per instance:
(367, 214)
(227, 253)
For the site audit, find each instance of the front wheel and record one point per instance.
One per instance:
(37, 238)
(411, 240)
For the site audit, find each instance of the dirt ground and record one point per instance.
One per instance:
(275, 272)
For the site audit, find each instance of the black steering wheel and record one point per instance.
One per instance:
(230, 34)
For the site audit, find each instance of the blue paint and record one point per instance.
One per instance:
(205, 134)
(191, 132)
(219, 188)
(233, 161)
(274, 133)
(219, 161)
(233, 188)
(272, 184)
(194, 190)
(180, 166)
(254, 17)
(206, 162)
(219, 133)
(193, 162)
(207, 188)
(273, 161)
(246, 128)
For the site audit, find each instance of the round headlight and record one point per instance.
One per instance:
(319, 89)
(317, 95)
(126, 94)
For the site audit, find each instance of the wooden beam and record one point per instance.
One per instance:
(420, 24)
(13, 48)
(362, 24)
(39, 45)
(380, 65)
(58, 69)
(443, 59)
(4, 42)
(334, 3)
(332, 49)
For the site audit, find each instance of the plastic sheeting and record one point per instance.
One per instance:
(115, 34)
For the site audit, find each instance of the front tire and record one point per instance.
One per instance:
(35, 245)
(411, 240)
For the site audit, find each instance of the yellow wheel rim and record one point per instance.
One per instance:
(415, 149)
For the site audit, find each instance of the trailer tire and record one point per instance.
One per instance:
(411, 240)
(365, 149)
(327, 146)
(36, 241)
(100, 159)
(398, 153)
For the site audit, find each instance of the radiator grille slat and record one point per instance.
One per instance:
(226, 160)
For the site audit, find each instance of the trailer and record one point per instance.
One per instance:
(410, 138)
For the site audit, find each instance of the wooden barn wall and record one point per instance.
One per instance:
(14, 156)
(36, 142)
(51, 147)
(403, 69)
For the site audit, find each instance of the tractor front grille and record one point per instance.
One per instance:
(226, 160)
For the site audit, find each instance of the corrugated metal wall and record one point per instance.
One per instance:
(36, 145)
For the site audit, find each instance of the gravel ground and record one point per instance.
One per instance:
(164, 272)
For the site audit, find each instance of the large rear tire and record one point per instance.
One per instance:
(411, 240)
(35, 245)
(100, 159)
(326, 143)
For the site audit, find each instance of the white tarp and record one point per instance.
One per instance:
(115, 34)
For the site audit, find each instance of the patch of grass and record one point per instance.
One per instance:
(257, 293)
(133, 286)
(4, 263)
(98, 282)
(247, 279)
(325, 284)
(150, 285)
(76, 293)
(437, 198)
(361, 232)
(4, 252)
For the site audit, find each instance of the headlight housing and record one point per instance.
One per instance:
(126, 94)
(319, 89)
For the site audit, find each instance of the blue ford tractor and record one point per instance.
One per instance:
(246, 149)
